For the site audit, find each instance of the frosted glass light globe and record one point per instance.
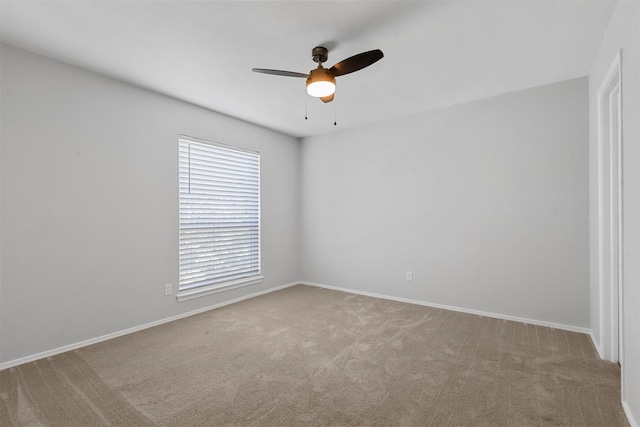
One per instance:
(321, 88)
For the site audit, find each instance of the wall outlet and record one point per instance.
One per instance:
(409, 276)
(167, 290)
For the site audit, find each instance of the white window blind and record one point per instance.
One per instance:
(219, 217)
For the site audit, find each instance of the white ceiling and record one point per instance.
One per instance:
(437, 53)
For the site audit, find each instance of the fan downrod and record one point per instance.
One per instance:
(319, 54)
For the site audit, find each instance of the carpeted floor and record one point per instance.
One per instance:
(306, 356)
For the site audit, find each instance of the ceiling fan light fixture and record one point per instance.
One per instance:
(321, 83)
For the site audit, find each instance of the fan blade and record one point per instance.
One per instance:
(279, 72)
(326, 99)
(357, 62)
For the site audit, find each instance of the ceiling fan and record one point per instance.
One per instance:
(321, 82)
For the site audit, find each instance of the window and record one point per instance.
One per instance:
(219, 206)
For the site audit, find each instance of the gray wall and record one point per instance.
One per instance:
(622, 33)
(486, 203)
(90, 203)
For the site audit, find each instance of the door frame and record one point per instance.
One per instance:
(610, 218)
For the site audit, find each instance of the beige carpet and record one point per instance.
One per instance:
(306, 356)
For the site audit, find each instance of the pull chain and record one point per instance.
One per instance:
(306, 111)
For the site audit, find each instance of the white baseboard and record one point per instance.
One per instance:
(458, 309)
(596, 344)
(630, 418)
(74, 346)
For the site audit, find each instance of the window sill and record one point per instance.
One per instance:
(214, 289)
